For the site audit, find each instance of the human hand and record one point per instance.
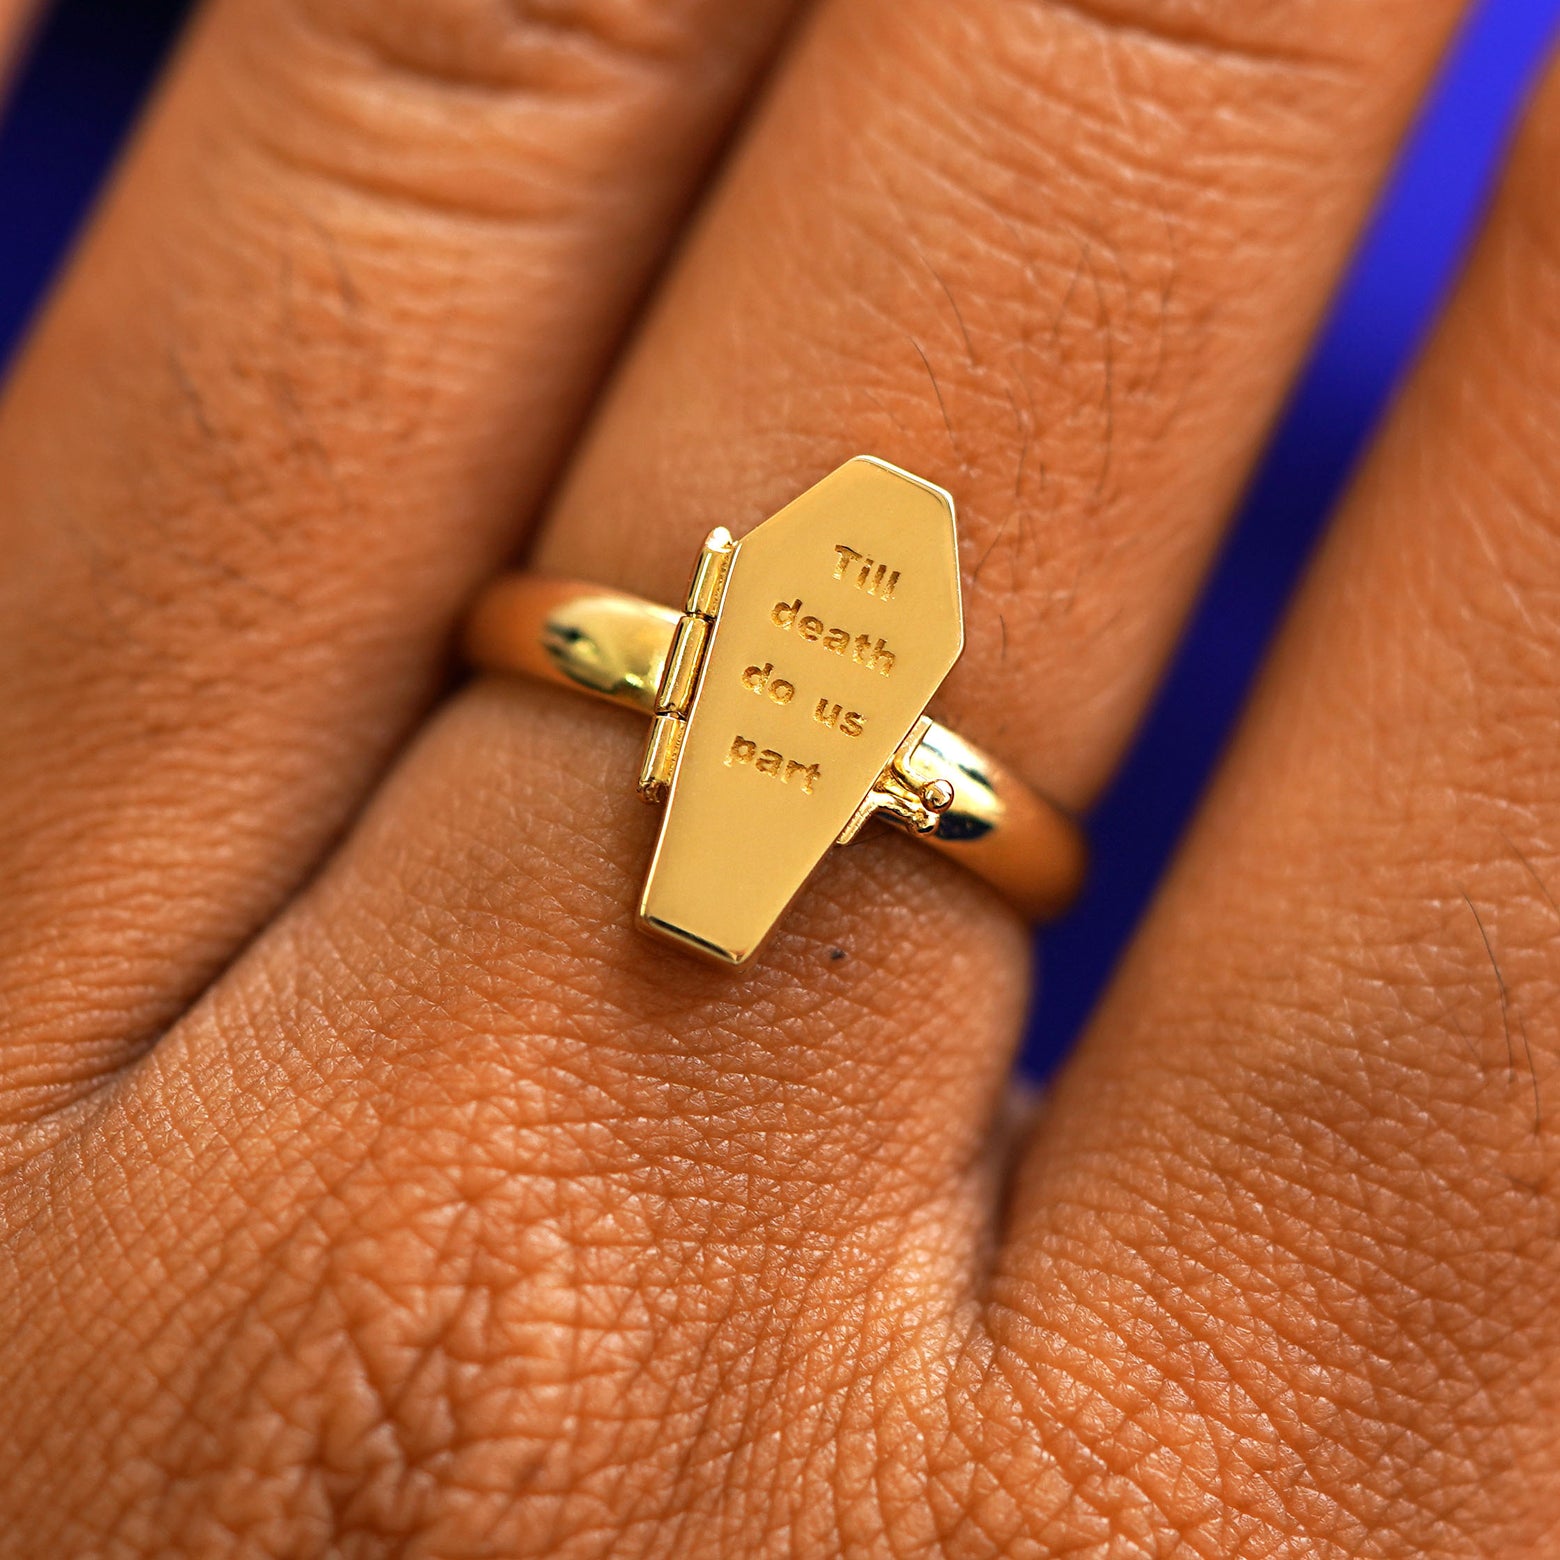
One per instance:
(368, 1186)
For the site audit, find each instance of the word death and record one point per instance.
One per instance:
(878, 657)
(768, 762)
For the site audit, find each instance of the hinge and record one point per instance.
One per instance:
(900, 796)
(684, 663)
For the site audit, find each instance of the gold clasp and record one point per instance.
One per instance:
(899, 797)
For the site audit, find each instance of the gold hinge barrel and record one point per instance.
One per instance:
(661, 753)
(709, 573)
(684, 662)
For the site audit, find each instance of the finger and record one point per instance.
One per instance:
(701, 1201)
(16, 17)
(1062, 260)
(1312, 1135)
(311, 372)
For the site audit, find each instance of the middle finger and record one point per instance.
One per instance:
(1062, 259)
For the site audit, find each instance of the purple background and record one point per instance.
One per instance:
(93, 59)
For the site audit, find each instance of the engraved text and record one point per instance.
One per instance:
(861, 649)
(762, 680)
(864, 573)
(768, 762)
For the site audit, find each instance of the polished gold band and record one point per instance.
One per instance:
(615, 647)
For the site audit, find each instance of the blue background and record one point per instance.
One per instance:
(93, 59)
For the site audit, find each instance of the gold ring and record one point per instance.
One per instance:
(787, 701)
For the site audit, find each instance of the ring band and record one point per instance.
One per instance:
(614, 646)
(676, 667)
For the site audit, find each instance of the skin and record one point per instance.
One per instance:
(368, 1187)
(15, 18)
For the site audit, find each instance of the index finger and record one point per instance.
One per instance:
(16, 19)
(305, 383)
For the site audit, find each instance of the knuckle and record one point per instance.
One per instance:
(1286, 1341)
(509, 39)
(454, 107)
(1207, 29)
(444, 1351)
(1165, 1422)
(381, 1381)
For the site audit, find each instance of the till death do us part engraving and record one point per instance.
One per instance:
(800, 672)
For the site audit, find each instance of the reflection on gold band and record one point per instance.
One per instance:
(615, 647)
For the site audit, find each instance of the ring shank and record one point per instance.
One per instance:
(614, 646)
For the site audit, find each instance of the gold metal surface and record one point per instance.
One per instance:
(839, 619)
(683, 664)
(599, 641)
(787, 702)
(679, 680)
(709, 573)
(660, 760)
(1024, 846)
